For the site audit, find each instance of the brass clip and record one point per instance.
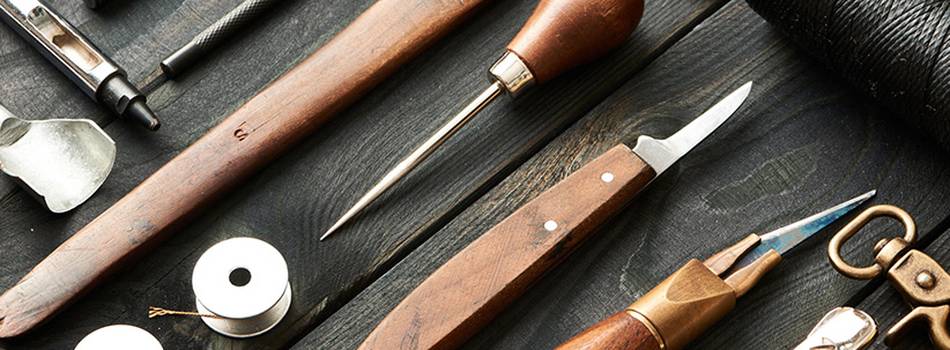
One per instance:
(920, 280)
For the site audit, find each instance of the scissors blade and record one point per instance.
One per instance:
(661, 154)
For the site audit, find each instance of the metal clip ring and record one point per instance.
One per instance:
(867, 272)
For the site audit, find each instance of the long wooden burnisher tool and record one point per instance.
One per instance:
(370, 49)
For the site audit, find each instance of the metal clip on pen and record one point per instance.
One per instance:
(923, 283)
(75, 56)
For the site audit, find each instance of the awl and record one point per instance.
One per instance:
(701, 293)
(559, 35)
(385, 37)
(466, 292)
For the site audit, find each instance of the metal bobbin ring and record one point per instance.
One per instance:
(244, 283)
(887, 246)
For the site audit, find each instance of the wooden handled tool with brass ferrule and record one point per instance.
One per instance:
(560, 35)
(699, 294)
(470, 289)
(376, 44)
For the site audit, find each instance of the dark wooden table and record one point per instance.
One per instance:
(803, 142)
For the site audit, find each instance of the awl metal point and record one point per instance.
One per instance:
(559, 36)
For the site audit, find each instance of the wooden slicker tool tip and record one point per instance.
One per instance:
(562, 34)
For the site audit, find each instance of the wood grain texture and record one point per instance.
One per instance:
(617, 332)
(808, 142)
(376, 44)
(562, 34)
(463, 295)
(802, 142)
(189, 107)
(303, 192)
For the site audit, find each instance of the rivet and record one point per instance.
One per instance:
(926, 280)
(607, 177)
(550, 225)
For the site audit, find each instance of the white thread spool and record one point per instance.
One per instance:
(244, 281)
(119, 337)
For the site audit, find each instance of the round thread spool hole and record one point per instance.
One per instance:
(244, 282)
(240, 277)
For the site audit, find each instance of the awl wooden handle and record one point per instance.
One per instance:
(622, 331)
(375, 45)
(562, 34)
(475, 285)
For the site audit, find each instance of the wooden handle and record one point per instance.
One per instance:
(466, 292)
(562, 34)
(370, 49)
(618, 332)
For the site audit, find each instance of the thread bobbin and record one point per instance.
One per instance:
(244, 283)
(119, 337)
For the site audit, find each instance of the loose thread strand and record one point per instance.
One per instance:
(154, 312)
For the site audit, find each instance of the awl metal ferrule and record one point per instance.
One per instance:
(73, 54)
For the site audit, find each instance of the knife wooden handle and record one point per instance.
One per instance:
(466, 292)
(621, 331)
(377, 43)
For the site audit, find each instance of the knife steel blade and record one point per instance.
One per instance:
(466, 292)
(661, 154)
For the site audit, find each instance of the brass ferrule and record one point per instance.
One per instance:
(686, 304)
(513, 74)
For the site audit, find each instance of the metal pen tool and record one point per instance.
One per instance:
(63, 45)
(701, 293)
(207, 40)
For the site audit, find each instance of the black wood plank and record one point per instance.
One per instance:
(802, 143)
(137, 34)
(295, 200)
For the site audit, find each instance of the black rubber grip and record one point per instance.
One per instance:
(225, 27)
(234, 20)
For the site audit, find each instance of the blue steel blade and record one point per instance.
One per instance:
(787, 237)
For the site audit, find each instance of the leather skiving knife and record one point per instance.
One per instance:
(466, 292)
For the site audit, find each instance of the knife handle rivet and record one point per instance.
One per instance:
(607, 177)
(550, 225)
